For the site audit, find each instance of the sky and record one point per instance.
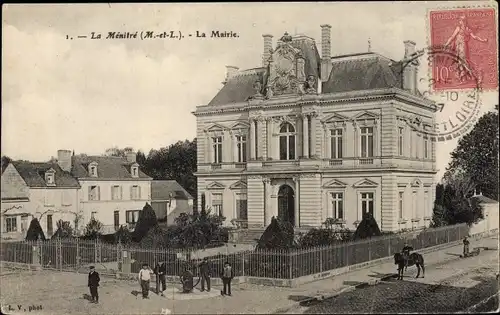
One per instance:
(88, 95)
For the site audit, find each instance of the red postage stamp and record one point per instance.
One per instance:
(469, 35)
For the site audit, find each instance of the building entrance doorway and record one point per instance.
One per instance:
(286, 204)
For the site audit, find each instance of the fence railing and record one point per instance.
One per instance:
(66, 254)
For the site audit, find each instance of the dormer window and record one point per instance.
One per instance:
(93, 169)
(134, 170)
(50, 177)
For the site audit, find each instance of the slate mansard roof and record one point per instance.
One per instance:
(33, 175)
(354, 72)
(107, 168)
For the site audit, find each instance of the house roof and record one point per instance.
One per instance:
(34, 174)
(483, 199)
(108, 167)
(161, 189)
(239, 88)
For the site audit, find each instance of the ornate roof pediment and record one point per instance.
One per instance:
(240, 125)
(416, 182)
(215, 127)
(365, 183)
(334, 118)
(215, 185)
(238, 185)
(50, 171)
(365, 115)
(335, 184)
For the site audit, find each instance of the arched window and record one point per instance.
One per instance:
(287, 142)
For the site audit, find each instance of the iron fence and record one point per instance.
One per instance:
(277, 264)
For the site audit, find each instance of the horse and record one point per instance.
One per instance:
(414, 259)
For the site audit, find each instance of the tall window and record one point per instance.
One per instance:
(338, 205)
(116, 192)
(241, 207)
(336, 143)
(287, 142)
(94, 193)
(217, 145)
(24, 223)
(131, 216)
(217, 204)
(135, 192)
(426, 203)
(116, 219)
(135, 171)
(401, 204)
(49, 178)
(414, 204)
(50, 227)
(366, 141)
(367, 203)
(400, 140)
(241, 146)
(426, 147)
(11, 224)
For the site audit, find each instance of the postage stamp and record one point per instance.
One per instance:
(471, 34)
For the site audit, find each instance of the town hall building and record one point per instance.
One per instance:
(309, 137)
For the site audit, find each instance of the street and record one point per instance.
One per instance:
(447, 288)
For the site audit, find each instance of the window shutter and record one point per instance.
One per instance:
(121, 192)
(90, 191)
(131, 192)
(98, 192)
(138, 192)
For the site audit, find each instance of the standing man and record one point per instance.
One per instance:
(227, 276)
(93, 283)
(144, 278)
(206, 273)
(161, 271)
(466, 246)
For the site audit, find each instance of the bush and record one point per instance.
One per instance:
(324, 237)
(147, 220)
(367, 228)
(35, 231)
(93, 230)
(157, 238)
(64, 230)
(123, 235)
(278, 235)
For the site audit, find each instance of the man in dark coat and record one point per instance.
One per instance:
(227, 276)
(160, 272)
(466, 246)
(93, 284)
(206, 273)
(406, 253)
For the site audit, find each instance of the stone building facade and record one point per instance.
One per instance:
(307, 137)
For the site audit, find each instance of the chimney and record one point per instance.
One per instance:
(64, 160)
(326, 52)
(131, 157)
(230, 72)
(268, 47)
(411, 70)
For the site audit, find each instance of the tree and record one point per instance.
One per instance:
(147, 220)
(5, 161)
(64, 230)
(35, 231)
(115, 151)
(476, 156)
(93, 230)
(278, 235)
(157, 237)
(323, 237)
(367, 228)
(123, 235)
(175, 162)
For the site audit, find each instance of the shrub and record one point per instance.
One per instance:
(93, 230)
(278, 235)
(35, 231)
(367, 228)
(156, 238)
(323, 237)
(147, 220)
(64, 230)
(123, 235)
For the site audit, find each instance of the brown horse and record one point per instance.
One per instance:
(414, 259)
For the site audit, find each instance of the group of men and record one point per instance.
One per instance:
(160, 271)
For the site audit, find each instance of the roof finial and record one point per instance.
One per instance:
(369, 44)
